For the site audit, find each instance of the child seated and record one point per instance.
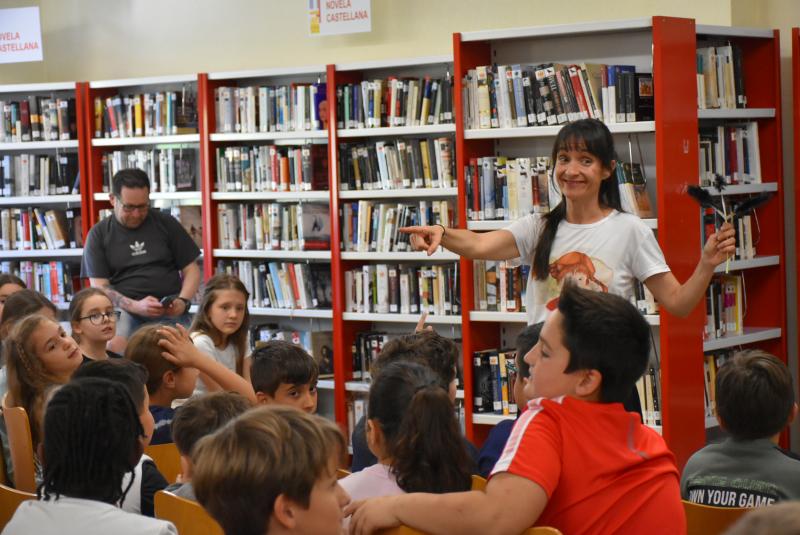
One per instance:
(413, 432)
(147, 480)
(755, 402)
(173, 364)
(498, 436)
(437, 353)
(198, 417)
(272, 471)
(575, 460)
(780, 519)
(9, 284)
(284, 374)
(94, 323)
(91, 442)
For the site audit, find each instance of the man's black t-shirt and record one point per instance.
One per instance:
(139, 262)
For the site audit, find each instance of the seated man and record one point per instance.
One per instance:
(755, 402)
(575, 460)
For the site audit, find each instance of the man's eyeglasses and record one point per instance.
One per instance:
(99, 317)
(130, 208)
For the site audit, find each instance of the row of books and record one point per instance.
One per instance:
(37, 119)
(494, 375)
(367, 345)
(397, 164)
(162, 113)
(169, 169)
(356, 409)
(500, 188)
(280, 108)
(633, 193)
(319, 344)
(368, 226)
(403, 289)
(510, 96)
(730, 151)
(37, 174)
(57, 281)
(274, 226)
(26, 229)
(720, 79)
(283, 284)
(745, 246)
(271, 168)
(712, 362)
(725, 307)
(649, 389)
(643, 299)
(395, 102)
(499, 287)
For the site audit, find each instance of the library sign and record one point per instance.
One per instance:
(20, 35)
(333, 17)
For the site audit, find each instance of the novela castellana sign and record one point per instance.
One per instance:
(332, 17)
(20, 35)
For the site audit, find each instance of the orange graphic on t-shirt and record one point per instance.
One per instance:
(577, 267)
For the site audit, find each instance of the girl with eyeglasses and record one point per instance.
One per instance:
(94, 323)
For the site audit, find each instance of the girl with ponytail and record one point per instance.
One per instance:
(586, 238)
(412, 430)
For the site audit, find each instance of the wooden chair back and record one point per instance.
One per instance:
(478, 483)
(21, 445)
(341, 473)
(188, 516)
(708, 520)
(9, 501)
(167, 459)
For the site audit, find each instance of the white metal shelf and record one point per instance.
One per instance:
(550, 131)
(397, 130)
(416, 256)
(732, 31)
(279, 254)
(736, 113)
(144, 140)
(711, 422)
(159, 196)
(37, 88)
(490, 418)
(268, 73)
(744, 189)
(432, 319)
(392, 63)
(152, 80)
(278, 196)
(41, 253)
(357, 386)
(39, 199)
(325, 384)
(39, 145)
(559, 29)
(298, 135)
(290, 313)
(522, 317)
(757, 262)
(751, 335)
(410, 193)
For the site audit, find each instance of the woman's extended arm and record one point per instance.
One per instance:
(494, 245)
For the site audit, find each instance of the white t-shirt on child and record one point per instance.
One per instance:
(609, 255)
(225, 356)
(371, 482)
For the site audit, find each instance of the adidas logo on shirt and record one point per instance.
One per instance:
(137, 249)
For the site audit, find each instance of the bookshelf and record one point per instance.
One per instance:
(667, 46)
(42, 170)
(796, 124)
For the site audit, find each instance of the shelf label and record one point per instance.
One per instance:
(20, 35)
(335, 17)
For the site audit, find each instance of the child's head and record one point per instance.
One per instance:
(9, 284)
(39, 354)
(779, 519)
(272, 470)
(163, 377)
(412, 427)
(133, 377)
(91, 433)
(594, 347)
(92, 316)
(201, 416)
(428, 348)
(223, 314)
(526, 340)
(284, 374)
(755, 396)
(24, 303)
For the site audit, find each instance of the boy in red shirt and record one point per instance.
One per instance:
(575, 460)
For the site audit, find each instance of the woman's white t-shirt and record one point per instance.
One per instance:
(225, 356)
(609, 255)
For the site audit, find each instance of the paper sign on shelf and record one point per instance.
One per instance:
(20, 35)
(334, 17)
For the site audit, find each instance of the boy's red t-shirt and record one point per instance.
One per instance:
(603, 471)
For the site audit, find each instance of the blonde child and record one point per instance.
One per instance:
(94, 323)
(220, 327)
(173, 364)
(272, 471)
